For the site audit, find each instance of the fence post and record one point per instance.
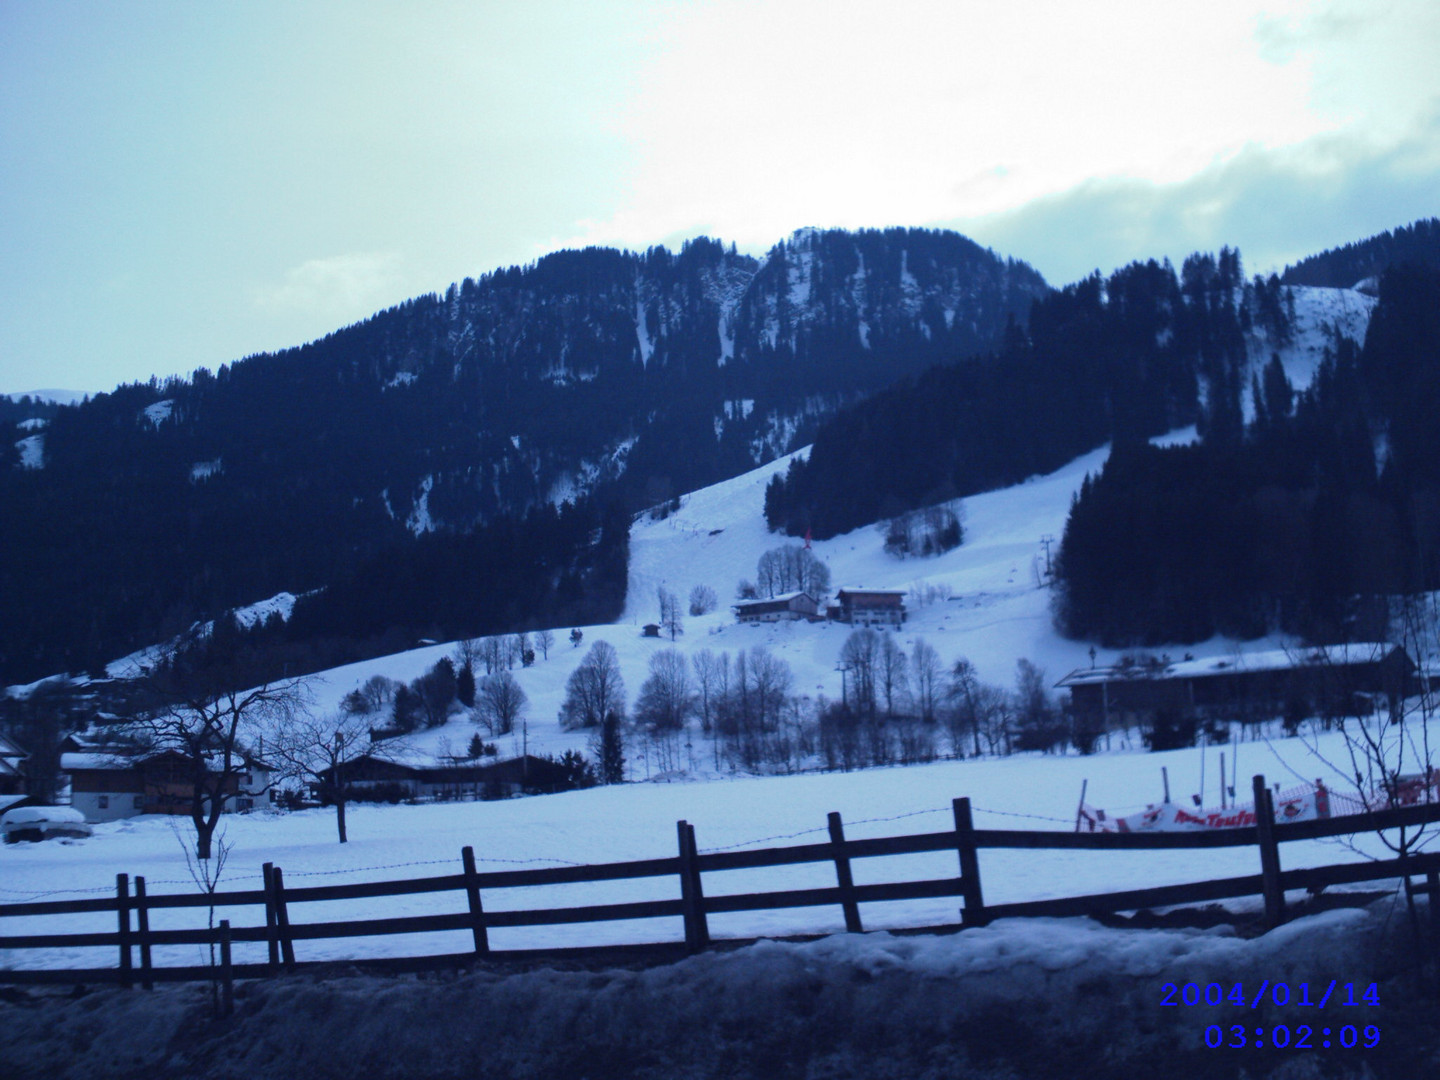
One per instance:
(472, 895)
(1269, 852)
(973, 914)
(1432, 884)
(142, 922)
(692, 899)
(272, 926)
(282, 919)
(122, 913)
(227, 972)
(843, 876)
(702, 922)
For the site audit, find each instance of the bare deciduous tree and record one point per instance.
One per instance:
(594, 690)
(319, 750)
(670, 620)
(926, 673)
(499, 702)
(208, 733)
(703, 600)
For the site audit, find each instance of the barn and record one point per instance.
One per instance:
(1242, 687)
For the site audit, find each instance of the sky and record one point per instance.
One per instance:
(183, 185)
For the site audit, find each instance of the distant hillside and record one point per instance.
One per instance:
(632, 376)
(1308, 524)
(1125, 358)
(1345, 267)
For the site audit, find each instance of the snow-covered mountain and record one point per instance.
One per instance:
(651, 373)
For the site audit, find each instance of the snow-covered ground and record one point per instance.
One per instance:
(636, 821)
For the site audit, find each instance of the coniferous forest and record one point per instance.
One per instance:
(1107, 358)
(1327, 502)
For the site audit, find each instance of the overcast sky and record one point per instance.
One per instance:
(184, 184)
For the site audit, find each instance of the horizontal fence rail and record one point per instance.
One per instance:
(274, 926)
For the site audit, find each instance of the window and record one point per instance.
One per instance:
(104, 802)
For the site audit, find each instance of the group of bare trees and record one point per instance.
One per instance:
(791, 568)
(896, 707)
(786, 569)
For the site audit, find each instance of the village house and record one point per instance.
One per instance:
(446, 779)
(788, 606)
(869, 607)
(12, 767)
(112, 779)
(1325, 680)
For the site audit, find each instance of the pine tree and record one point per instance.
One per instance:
(610, 750)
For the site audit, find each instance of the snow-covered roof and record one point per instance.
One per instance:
(75, 760)
(783, 598)
(1365, 652)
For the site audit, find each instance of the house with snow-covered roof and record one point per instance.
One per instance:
(114, 777)
(1327, 679)
(869, 607)
(787, 606)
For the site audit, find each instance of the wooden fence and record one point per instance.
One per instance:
(132, 906)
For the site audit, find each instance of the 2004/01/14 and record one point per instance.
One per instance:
(1214, 994)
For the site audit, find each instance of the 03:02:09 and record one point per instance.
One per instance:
(1301, 1037)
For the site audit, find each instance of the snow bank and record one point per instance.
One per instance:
(1035, 998)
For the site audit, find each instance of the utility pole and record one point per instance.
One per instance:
(1047, 540)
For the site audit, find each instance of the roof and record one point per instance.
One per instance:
(1365, 652)
(76, 760)
(888, 595)
(783, 598)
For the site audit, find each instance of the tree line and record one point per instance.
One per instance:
(741, 711)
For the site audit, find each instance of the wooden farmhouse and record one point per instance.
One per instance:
(869, 607)
(109, 780)
(1326, 680)
(449, 778)
(788, 606)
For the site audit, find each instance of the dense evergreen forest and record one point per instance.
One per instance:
(1345, 267)
(1326, 503)
(1120, 358)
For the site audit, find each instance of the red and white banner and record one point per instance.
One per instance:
(1300, 804)
(1307, 803)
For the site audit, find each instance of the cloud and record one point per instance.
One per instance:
(338, 287)
(1279, 205)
